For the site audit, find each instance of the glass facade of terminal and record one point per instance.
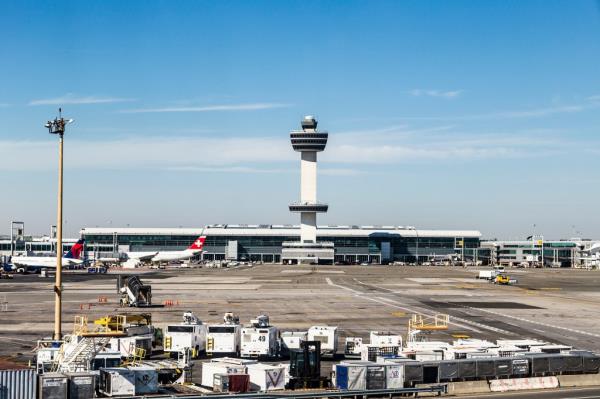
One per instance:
(375, 247)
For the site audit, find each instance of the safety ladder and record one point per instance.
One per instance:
(80, 357)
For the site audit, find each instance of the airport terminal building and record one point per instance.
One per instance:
(373, 244)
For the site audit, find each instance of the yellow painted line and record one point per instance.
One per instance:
(551, 289)
(398, 314)
(532, 292)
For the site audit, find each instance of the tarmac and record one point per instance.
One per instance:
(557, 305)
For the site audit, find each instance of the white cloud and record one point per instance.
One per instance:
(436, 93)
(209, 108)
(595, 97)
(73, 99)
(275, 155)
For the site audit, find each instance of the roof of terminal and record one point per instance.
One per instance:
(267, 230)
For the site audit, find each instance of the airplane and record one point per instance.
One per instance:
(166, 256)
(35, 263)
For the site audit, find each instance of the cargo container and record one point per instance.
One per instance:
(539, 364)
(351, 377)
(590, 361)
(573, 363)
(394, 376)
(503, 367)
(448, 370)
(146, 379)
(520, 367)
(234, 383)
(266, 377)
(292, 340)
(376, 376)
(117, 381)
(485, 368)
(430, 372)
(209, 369)
(18, 383)
(53, 386)
(327, 335)
(412, 369)
(82, 385)
(467, 369)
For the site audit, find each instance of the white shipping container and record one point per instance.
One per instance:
(209, 369)
(349, 376)
(266, 377)
(394, 376)
(117, 381)
(327, 335)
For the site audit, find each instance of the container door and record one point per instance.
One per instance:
(394, 376)
(357, 378)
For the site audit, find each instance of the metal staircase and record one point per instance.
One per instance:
(80, 357)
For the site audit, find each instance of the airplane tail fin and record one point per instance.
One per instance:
(76, 250)
(198, 244)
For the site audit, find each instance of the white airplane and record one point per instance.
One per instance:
(35, 263)
(167, 256)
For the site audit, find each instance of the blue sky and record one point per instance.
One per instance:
(463, 114)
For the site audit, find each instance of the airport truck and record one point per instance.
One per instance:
(327, 336)
(260, 339)
(224, 338)
(189, 334)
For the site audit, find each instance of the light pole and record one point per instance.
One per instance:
(57, 126)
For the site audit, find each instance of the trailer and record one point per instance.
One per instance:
(224, 338)
(327, 336)
(260, 339)
(190, 334)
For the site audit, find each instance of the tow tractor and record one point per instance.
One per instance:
(504, 279)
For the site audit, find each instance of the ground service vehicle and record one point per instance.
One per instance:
(305, 367)
(224, 338)
(190, 334)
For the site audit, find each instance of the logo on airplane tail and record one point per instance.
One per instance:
(76, 249)
(198, 244)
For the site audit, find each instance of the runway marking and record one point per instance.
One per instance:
(507, 316)
(384, 301)
(539, 323)
(464, 321)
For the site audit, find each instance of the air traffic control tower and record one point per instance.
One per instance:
(308, 142)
